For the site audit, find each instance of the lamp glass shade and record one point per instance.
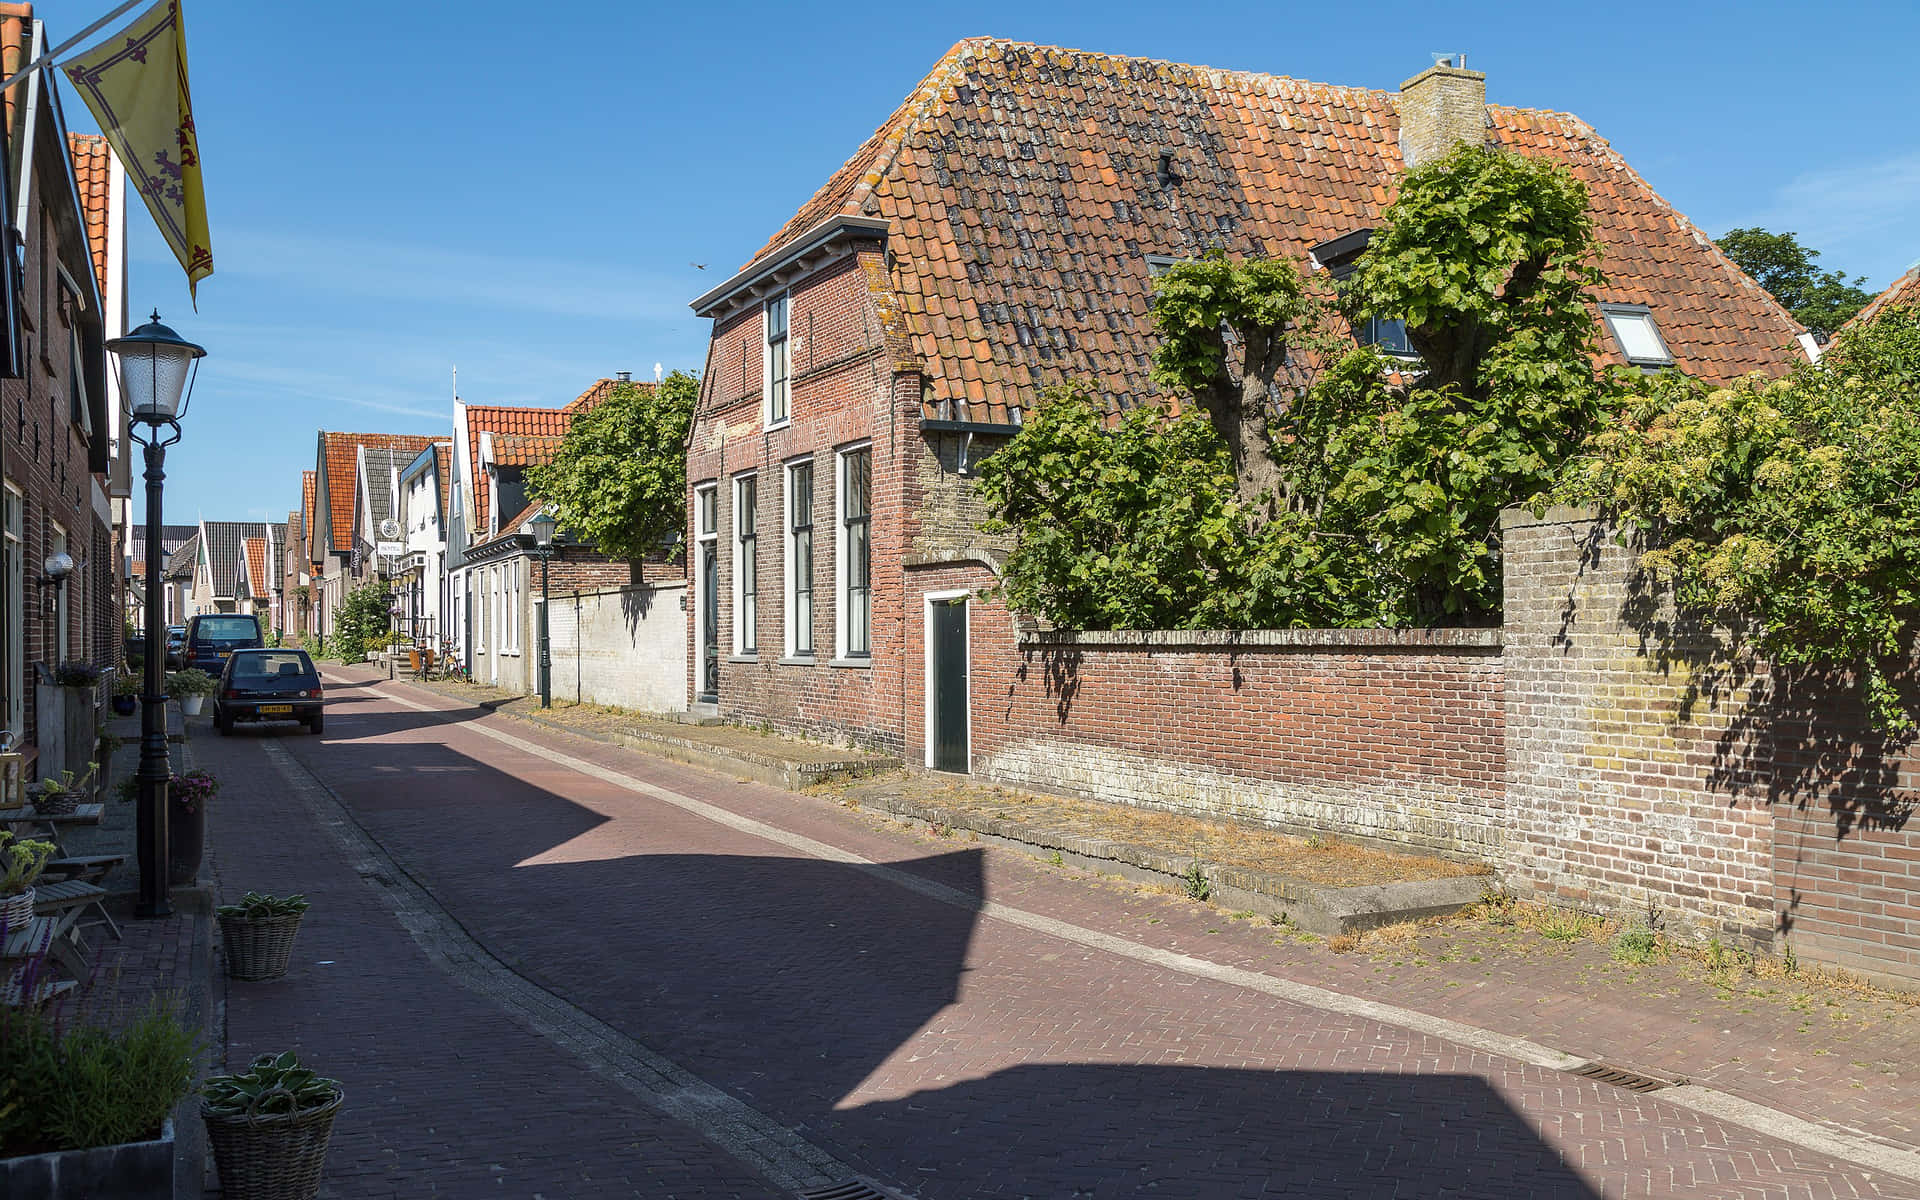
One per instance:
(543, 530)
(155, 363)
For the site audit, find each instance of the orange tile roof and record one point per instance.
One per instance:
(90, 171)
(524, 450)
(1019, 181)
(443, 463)
(338, 453)
(1905, 291)
(306, 511)
(256, 551)
(482, 419)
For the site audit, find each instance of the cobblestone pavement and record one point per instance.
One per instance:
(947, 1020)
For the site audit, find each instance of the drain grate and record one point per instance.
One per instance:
(1620, 1077)
(852, 1189)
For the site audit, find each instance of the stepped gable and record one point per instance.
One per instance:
(1025, 186)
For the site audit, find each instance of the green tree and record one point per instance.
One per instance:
(1787, 507)
(1822, 301)
(619, 480)
(363, 619)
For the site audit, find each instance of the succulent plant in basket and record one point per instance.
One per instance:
(60, 796)
(258, 934)
(21, 861)
(269, 1126)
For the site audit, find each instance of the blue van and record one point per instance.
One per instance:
(213, 637)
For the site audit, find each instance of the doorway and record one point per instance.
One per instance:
(949, 725)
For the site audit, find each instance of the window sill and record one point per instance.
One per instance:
(856, 663)
(777, 426)
(743, 658)
(799, 660)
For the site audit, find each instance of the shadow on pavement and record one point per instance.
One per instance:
(790, 982)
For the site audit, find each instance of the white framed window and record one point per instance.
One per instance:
(746, 564)
(512, 570)
(799, 559)
(706, 590)
(779, 369)
(1638, 337)
(853, 554)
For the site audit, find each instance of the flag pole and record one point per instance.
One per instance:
(46, 60)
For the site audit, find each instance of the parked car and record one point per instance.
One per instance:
(211, 637)
(269, 685)
(176, 647)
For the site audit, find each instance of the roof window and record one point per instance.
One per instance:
(1639, 338)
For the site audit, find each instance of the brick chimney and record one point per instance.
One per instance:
(1441, 107)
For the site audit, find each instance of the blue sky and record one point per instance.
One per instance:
(523, 191)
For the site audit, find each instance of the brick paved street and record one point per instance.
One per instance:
(947, 1020)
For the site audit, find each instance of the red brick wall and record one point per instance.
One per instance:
(844, 390)
(44, 454)
(1643, 777)
(1376, 734)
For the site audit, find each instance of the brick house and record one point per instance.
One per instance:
(61, 432)
(490, 579)
(341, 557)
(998, 233)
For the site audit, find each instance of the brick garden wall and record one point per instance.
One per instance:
(1380, 735)
(625, 646)
(1644, 775)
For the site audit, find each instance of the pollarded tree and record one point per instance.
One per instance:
(619, 480)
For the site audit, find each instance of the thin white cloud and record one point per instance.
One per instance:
(1863, 217)
(395, 271)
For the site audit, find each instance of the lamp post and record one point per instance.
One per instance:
(156, 367)
(543, 545)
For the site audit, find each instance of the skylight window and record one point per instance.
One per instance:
(1639, 338)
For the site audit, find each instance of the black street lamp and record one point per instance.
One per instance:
(543, 545)
(156, 367)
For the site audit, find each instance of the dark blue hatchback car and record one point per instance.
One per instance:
(211, 637)
(269, 685)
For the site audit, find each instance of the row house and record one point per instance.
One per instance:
(302, 570)
(172, 537)
(492, 585)
(341, 538)
(62, 448)
(422, 581)
(221, 583)
(999, 233)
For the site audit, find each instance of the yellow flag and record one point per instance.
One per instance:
(136, 84)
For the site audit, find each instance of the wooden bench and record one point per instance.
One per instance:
(90, 867)
(34, 941)
(65, 902)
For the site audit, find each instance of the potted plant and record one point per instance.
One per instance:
(269, 1127)
(86, 1116)
(126, 693)
(76, 675)
(21, 861)
(258, 933)
(190, 687)
(187, 795)
(58, 797)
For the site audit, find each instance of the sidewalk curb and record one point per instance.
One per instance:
(1326, 911)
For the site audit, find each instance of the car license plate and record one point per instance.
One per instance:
(275, 708)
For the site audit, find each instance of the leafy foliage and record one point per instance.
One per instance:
(1377, 489)
(258, 906)
(190, 682)
(1136, 526)
(21, 861)
(619, 480)
(1793, 504)
(270, 1084)
(1823, 301)
(362, 620)
(71, 1087)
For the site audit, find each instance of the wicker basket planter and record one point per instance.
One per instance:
(258, 947)
(16, 910)
(271, 1156)
(56, 803)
